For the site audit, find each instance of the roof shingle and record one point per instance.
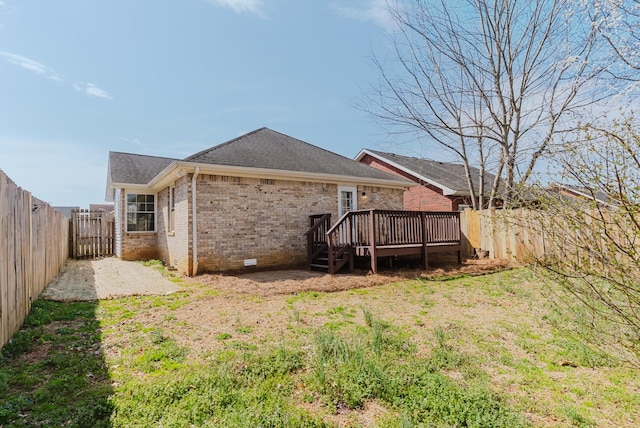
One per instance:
(262, 148)
(265, 148)
(450, 175)
(135, 169)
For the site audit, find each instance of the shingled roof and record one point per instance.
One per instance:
(135, 169)
(263, 148)
(448, 176)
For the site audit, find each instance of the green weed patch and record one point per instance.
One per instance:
(485, 351)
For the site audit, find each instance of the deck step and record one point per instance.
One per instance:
(319, 266)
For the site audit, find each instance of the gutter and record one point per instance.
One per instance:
(194, 222)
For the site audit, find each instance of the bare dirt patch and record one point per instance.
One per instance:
(296, 281)
(260, 302)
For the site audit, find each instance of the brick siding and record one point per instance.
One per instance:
(174, 246)
(244, 218)
(134, 245)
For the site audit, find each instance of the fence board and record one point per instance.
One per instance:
(33, 248)
(92, 233)
(505, 234)
(4, 260)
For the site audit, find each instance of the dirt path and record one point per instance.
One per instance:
(112, 277)
(104, 279)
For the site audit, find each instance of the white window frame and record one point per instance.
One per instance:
(354, 198)
(155, 212)
(172, 209)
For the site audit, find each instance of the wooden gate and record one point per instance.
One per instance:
(92, 234)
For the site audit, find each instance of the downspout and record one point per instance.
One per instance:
(194, 222)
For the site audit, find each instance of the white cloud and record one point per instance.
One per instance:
(240, 6)
(92, 90)
(32, 65)
(376, 11)
(49, 73)
(133, 141)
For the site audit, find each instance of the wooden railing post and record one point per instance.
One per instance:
(317, 234)
(425, 239)
(372, 241)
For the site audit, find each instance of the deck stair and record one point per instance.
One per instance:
(380, 233)
(319, 255)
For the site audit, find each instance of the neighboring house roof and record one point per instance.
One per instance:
(66, 211)
(261, 153)
(596, 195)
(449, 177)
(101, 207)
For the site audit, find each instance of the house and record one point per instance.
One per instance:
(582, 193)
(243, 203)
(443, 186)
(103, 208)
(67, 211)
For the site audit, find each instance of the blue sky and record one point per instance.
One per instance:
(80, 78)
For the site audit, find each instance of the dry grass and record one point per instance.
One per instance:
(479, 328)
(502, 323)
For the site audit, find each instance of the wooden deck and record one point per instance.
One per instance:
(380, 233)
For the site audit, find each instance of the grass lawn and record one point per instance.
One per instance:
(485, 351)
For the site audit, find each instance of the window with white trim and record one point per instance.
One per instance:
(347, 199)
(141, 213)
(172, 208)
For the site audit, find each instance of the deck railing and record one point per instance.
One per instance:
(388, 228)
(319, 225)
(373, 232)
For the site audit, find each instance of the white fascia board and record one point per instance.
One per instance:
(445, 190)
(133, 188)
(170, 173)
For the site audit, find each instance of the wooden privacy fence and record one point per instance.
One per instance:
(504, 234)
(33, 248)
(92, 234)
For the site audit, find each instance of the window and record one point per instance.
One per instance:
(141, 213)
(172, 209)
(347, 200)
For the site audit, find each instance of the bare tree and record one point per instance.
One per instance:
(592, 240)
(493, 81)
(617, 23)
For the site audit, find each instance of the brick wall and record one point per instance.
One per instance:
(263, 219)
(134, 245)
(243, 218)
(379, 198)
(174, 246)
(427, 197)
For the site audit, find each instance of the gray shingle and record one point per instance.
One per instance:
(135, 169)
(265, 148)
(450, 175)
(262, 148)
